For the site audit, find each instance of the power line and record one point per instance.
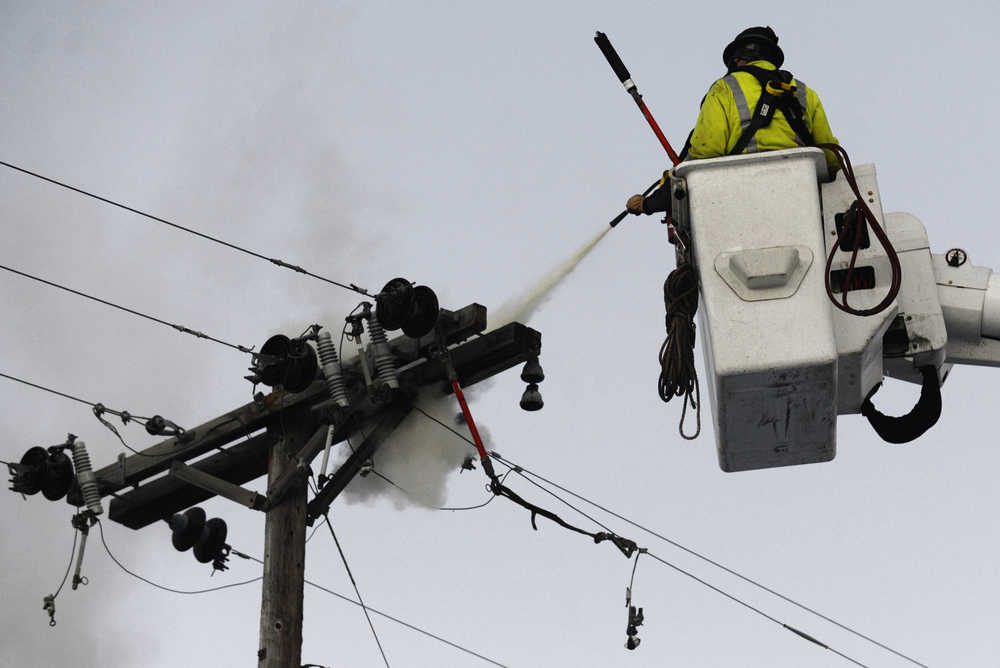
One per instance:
(356, 591)
(275, 261)
(348, 599)
(308, 582)
(179, 328)
(517, 468)
(99, 410)
(752, 608)
(706, 559)
(100, 527)
(641, 551)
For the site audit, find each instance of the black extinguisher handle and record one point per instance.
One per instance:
(604, 44)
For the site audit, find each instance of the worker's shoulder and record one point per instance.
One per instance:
(721, 86)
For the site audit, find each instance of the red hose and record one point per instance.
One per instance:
(866, 217)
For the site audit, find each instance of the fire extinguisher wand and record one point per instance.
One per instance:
(604, 44)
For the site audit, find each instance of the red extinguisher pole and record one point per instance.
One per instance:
(604, 44)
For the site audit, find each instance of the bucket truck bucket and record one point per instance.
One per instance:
(755, 224)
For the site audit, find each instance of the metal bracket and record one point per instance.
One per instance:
(210, 483)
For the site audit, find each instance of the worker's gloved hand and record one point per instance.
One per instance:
(634, 204)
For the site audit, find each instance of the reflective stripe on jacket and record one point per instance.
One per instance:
(730, 103)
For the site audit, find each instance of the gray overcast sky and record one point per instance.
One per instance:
(471, 147)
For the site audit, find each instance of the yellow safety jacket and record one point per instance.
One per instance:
(729, 106)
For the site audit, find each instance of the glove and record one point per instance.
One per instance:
(634, 204)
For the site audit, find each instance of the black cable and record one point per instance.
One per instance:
(48, 389)
(356, 591)
(348, 599)
(487, 502)
(518, 468)
(708, 560)
(678, 376)
(179, 328)
(561, 500)
(72, 552)
(752, 608)
(100, 527)
(275, 261)
(99, 409)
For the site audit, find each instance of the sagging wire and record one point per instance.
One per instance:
(626, 546)
(636, 615)
(384, 615)
(707, 560)
(275, 261)
(364, 608)
(49, 602)
(100, 528)
(179, 328)
(523, 472)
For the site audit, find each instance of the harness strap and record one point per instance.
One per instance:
(745, 116)
(775, 88)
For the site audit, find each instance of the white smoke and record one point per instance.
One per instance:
(420, 454)
(523, 307)
(417, 457)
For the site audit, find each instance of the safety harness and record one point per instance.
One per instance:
(778, 91)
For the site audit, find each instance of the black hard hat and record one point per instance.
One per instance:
(762, 35)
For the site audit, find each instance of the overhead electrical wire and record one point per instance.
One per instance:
(641, 551)
(348, 599)
(714, 588)
(708, 560)
(100, 527)
(523, 472)
(357, 592)
(179, 328)
(275, 261)
(760, 612)
(98, 408)
(248, 557)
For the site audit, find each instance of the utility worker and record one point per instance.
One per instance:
(755, 107)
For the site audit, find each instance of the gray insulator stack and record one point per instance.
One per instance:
(86, 478)
(385, 367)
(331, 368)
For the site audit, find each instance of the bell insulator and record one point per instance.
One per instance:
(187, 528)
(58, 476)
(211, 541)
(301, 367)
(424, 314)
(531, 400)
(394, 304)
(532, 371)
(273, 360)
(29, 472)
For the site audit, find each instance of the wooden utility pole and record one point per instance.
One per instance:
(284, 432)
(284, 550)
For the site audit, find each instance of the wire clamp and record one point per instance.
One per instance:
(49, 606)
(627, 546)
